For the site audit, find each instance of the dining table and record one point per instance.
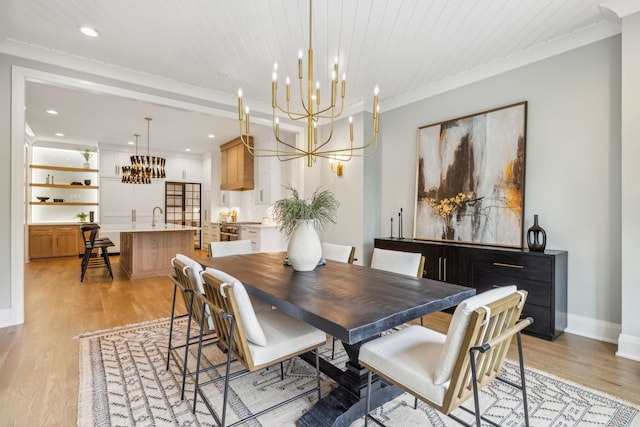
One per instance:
(351, 302)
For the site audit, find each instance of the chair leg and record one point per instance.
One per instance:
(474, 379)
(367, 404)
(226, 380)
(333, 348)
(105, 255)
(318, 371)
(282, 371)
(85, 263)
(186, 344)
(525, 406)
(173, 310)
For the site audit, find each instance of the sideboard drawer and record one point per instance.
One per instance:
(539, 292)
(513, 265)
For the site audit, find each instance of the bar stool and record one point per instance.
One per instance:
(91, 243)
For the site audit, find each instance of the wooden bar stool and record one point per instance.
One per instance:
(92, 242)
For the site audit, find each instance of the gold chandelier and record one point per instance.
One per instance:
(149, 166)
(133, 174)
(313, 113)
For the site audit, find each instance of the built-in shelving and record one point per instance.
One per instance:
(65, 203)
(63, 168)
(75, 187)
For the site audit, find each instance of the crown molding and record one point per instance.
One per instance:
(621, 8)
(602, 30)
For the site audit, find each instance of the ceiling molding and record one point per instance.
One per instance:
(601, 31)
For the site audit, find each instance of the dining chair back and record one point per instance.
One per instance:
(446, 370)
(95, 250)
(187, 272)
(409, 263)
(256, 339)
(231, 247)
(341, 253)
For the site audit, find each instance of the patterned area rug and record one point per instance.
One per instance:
(124, 382)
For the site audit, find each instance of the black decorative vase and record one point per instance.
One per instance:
(92, 216)
(536, 237)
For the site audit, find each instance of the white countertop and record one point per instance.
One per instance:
(143, 228)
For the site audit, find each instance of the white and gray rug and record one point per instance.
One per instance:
(124, 382)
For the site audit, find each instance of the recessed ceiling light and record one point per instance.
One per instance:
(59, 134)
(52, 112)
(211, 136)
(187, 149)
(130, 142)
(88, 31)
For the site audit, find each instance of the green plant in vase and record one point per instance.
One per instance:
(87, 153)
(321, 207)
(82, 216)
(300, 220)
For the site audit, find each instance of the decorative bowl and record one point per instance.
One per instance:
(42, 199)
(76, 183)
(58, 200)
(87, 182)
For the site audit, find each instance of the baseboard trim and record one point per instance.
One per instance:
(592, 328)
(8, 318)
(629, 347)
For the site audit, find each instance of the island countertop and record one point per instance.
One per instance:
(144, 228)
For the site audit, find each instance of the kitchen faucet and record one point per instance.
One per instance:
(153, 220)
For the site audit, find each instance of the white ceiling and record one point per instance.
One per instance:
(410, 48)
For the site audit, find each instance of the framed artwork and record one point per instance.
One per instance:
(470, 178)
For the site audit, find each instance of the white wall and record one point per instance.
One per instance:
(629, 340)
(572, 164)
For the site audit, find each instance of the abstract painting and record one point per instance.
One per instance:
(470, 178)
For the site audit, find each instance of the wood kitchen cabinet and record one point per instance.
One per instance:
(236, 166)
(48, 241)
(543, 275)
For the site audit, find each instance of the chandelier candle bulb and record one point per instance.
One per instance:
(312, 113)
(288, 90)
(240, 105)
(246, 115)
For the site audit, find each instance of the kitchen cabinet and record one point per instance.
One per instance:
(236, 166)
(111, 163)
(183, 169)
(182, 206)
(48, 241)
(543, 275)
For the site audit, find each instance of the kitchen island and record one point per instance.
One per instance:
(146, 251)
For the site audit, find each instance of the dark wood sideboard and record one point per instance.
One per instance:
(543, 275)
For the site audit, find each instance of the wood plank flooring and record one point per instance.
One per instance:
(39, 359)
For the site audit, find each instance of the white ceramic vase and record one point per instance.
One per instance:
(304, 249)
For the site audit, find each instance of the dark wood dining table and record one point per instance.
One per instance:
(350, 302)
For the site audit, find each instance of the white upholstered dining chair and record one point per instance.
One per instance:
(188, 282)
(256, 339)
(446, 370)
(237, 247)
(409, 263)
(341, 253)
(231, 247)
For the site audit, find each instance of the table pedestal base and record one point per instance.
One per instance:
(346, 403)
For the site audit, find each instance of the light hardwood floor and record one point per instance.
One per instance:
(39, 359)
